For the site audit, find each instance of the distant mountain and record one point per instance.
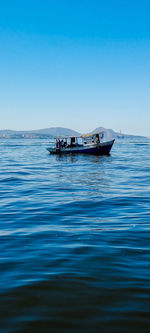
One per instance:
(52, 132)
(57, 131)
(7, 131)
(37, 134)
(108, 133)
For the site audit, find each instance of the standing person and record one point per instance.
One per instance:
(59, 144)
(65, 143)
(62, 143)
(97, 140)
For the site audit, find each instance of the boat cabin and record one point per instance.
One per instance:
(79, 141)
(92, 138)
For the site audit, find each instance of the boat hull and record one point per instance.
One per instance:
(99, 149)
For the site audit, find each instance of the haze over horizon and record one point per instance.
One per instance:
(76, 65)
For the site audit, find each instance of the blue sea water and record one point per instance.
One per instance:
(74, 239)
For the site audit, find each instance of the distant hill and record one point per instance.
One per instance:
(7, 131)
(52, 132)
(57, 131)
(108, 133)
(38, 134)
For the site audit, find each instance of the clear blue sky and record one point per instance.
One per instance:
(78, 64)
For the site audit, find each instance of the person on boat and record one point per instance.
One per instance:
(58, 144)
(62, 143)
(73, 142)
(65, 143)
(97, 140)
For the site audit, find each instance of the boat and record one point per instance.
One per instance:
(84, 144)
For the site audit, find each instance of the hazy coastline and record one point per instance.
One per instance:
(53, 132)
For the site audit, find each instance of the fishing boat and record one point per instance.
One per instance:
(84, 144)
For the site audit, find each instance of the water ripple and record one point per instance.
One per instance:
(74, 239)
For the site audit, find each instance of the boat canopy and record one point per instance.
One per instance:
(90, 135)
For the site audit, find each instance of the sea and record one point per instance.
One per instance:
(74, 239)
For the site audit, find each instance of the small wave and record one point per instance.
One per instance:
(74, 240)
(12, 180)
